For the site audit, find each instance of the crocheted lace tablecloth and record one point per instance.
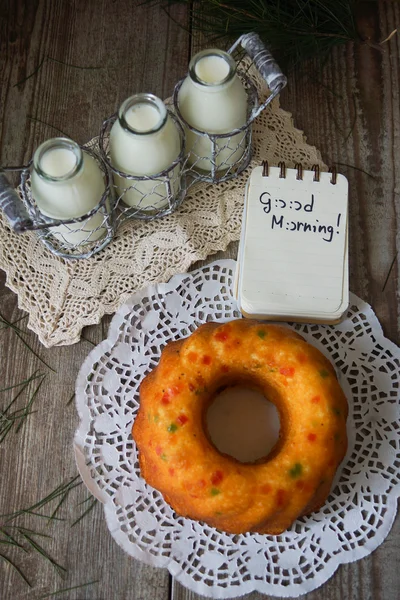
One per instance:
(63, 296)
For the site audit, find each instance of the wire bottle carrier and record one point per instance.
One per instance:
(170, 184)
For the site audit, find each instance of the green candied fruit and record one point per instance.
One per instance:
(164, 457)
(296, 471)
(324, 373)
(200, 391)
(215, 491)
(172, 428)
(262, 334)
(156, 418)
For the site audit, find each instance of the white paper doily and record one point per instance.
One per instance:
(361, 508)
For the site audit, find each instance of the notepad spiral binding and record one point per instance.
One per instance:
(299, 167)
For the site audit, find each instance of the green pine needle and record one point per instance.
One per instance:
(11, 387)
(59, 62)
(19, 333)
(10, 539)
(294, 30)
(60, 570)
(86, 512)
(71, 399)
(36, 120)
(60, 490)
(18, 417)
(75, 587)
(17, 569)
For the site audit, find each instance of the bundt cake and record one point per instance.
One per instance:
(177, 457)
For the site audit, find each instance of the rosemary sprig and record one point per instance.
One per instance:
(75, 587)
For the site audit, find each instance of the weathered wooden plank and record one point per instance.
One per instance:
(139, 49)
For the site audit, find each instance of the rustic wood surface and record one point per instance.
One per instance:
(349, 110)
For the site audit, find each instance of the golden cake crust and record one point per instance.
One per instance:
(177, 457)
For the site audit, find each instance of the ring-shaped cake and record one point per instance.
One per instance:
(178, 458)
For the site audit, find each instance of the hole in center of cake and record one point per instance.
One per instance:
(241, 422)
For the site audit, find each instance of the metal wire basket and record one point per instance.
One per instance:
(78, 237)
(222, 147)
(157, 195)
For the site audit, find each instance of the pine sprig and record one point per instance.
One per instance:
(8, 418)
(20, 538)
(61, 490)
(294, 30)
(20, 333)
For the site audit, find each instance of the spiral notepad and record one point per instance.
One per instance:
(293, 254)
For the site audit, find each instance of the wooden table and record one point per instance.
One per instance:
(350, 111)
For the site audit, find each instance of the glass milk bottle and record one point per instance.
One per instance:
(144, 141)
(67, 183)
(212, 99)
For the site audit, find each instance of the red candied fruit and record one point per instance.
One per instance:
(206, 360)
(182, 419)
(171, 471)
(287, 371)
(222, 336)
(165, 398)
(302, 358)
(159, 450)
(280, 497)
(217, 477)
(315, 400)
(170, 393)
(191, 387)
(311, 437)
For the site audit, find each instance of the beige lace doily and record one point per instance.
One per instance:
(61, 297)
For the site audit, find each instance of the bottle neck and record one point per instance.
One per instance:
(58, 160)
(212, 70)
(142, 115)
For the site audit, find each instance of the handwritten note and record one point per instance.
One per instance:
(294, 243)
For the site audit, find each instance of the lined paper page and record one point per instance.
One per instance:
(294, 243)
